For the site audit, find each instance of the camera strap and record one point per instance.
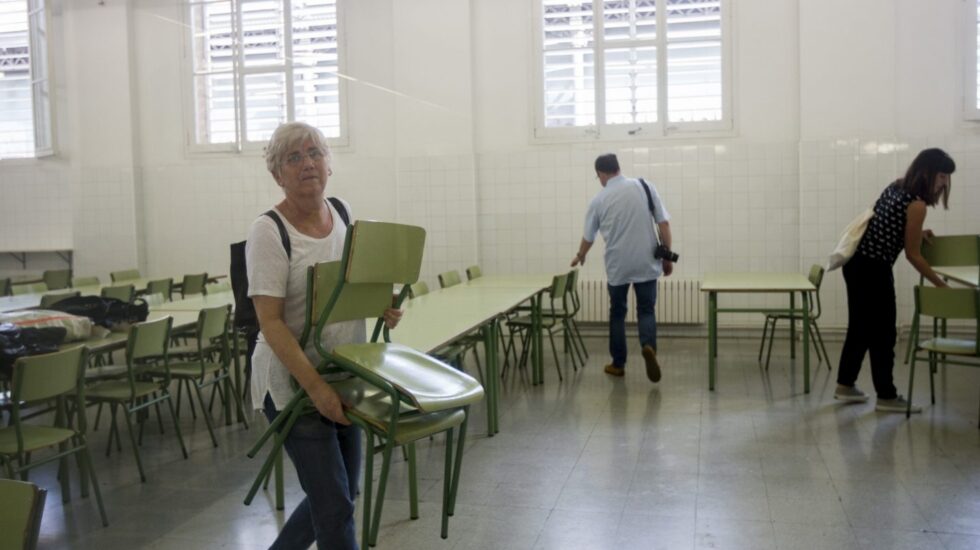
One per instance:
(646, 189)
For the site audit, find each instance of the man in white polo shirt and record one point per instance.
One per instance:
(620, 212)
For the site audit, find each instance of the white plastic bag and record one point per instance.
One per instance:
(849, 240)
(79, 328)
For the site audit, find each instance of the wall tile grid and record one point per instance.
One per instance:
(439, 193)
(35, 213)
(104, 226)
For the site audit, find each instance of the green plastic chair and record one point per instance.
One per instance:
(551, 319)
(57, 279)
(79, 282)
(212, 359)
(50, 299)
(193, 284)
(398, 395)
(21, 508)
(164, 287)
(449, 278)
(5, 286)
(124, 275)
(28, 288)
(816, 278)
(125, 293)
(146, 351)
(473, 272)
(42, 379)
(418, 289)
(945, 251)
(945, 303)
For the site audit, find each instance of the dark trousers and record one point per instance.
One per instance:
(327, 457)
(646, 298)
(871, 315)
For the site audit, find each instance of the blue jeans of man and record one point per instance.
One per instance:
(646, 298)
(327, 457)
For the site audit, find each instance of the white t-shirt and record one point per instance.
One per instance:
(272, 273)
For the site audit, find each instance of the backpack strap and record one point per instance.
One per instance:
(282, 232)
(341, 209)
(284, 235)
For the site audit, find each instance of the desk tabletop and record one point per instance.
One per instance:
(198, 302)
(756, 282)
(965, 275)
(431, 321)
(510, 281)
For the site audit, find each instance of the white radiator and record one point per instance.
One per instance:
(679, 301)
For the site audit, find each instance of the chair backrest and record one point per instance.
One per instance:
(193, 284)
(163, 287)
(212, 323)
(57, 279)
(124, 275)
(571, 291)
(42, 377)
(448, 279)
(473, 272)
(55, 297)
(125, 293)
(418, 289)
(951, 250)
(78, 282)
(21, 508)
(149, 340)
(29, 288)
(4, 286)
(377, 256)
(559, 285)
(950, 303)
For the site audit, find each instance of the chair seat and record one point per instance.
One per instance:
(118, 390)
(104, 372)
(35, 437)
(430, 384)
(373, 406)
(950, 346)
(188, 370)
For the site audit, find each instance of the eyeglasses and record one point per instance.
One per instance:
(295, 159)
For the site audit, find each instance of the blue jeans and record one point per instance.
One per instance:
(646, 298)
(327, 457)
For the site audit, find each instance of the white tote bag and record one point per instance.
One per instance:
(849, 240)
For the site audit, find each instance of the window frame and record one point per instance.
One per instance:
(241, 145)
(39, 9)
(631, 131)
(971, 20)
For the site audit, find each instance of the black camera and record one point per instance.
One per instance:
(664, 253)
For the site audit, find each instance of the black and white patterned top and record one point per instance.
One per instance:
(885, 236)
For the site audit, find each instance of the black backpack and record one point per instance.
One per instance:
(245, 318)
(106, 312)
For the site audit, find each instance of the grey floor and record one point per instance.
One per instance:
(600, 462)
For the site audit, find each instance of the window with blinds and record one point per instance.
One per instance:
(971, 95)
(258, 63)
(25, 105)
(633, 67)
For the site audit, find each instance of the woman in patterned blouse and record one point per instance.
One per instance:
(897, 224)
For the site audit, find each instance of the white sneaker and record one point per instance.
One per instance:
(850, 394)
(898, 405)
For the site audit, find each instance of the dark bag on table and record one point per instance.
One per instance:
(106, 312)
(18, 342)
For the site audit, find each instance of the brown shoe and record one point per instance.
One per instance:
(653, 368)
(614, 370)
